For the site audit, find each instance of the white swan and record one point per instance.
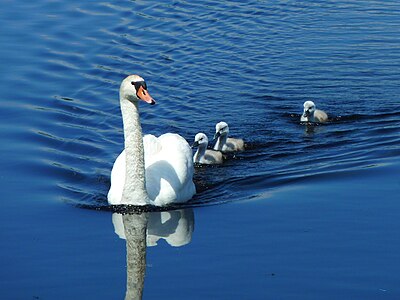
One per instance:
(151, 170)
(311, 114)
(224, 143)
(204, 155)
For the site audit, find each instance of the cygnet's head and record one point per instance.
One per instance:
(200, 140)
(134, 88)
(309, 108)
(221, 128)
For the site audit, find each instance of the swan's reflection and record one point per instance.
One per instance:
(175, 227)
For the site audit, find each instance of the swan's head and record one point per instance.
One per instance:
(309, 108)
(221, 129)
(200, 140)
(134, 88)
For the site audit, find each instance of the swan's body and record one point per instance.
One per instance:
(204, 155)
(311, 114)
(151, 170)
(167, 170)
(224, 143)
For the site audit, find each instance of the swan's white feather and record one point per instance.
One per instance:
(169, 171)
(233, 145)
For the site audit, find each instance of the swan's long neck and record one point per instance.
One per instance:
(134, 191)
(221, 141)
(201, 150)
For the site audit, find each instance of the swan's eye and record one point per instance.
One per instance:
(139, 84)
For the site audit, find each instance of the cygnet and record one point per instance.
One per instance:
(224, 143)
(204, 155)
(311, 114)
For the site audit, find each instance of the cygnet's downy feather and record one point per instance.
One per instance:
(311, 114)
(224, 143)
(204, 155)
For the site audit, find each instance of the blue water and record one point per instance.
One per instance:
(307, 212)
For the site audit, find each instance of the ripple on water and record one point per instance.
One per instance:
(252, 65)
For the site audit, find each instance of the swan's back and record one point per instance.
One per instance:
(320, 116)
(233, 144)
(169, 169)
(211, 157)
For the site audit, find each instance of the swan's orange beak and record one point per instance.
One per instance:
(145, 96)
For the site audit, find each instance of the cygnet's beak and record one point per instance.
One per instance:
(195, 144)
(217, 135)
(145, 96)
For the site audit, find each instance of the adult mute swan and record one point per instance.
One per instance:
(224, 143)
(204, 155)
(311, 114)
(151, 170)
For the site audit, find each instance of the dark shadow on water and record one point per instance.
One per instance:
(126, 209)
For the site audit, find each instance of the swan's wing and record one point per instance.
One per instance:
(151, 146)
(178, 152)
(320, 115)
(239, 145)
(233, 144)
(213, 157)
(117, 180)
(169, 172)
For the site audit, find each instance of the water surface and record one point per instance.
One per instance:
(307, 212)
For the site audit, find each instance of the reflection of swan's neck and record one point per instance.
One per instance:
(134, 191)
(135, 232)
(220, 142)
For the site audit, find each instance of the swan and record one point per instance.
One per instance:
(157, 171)
(224, 143)
(204, 155)
(311, 114)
